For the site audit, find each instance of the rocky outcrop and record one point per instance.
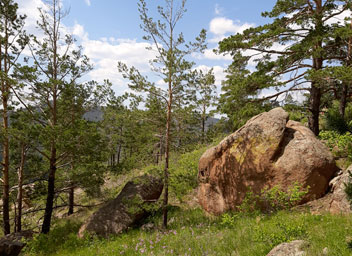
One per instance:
(12, 244)
(268, 151)
(334, 202)
(130, 206)
(294, 248)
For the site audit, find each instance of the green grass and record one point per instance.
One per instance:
(191, 232)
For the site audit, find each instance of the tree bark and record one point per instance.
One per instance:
(5, 146)
(71, 200)
(50, 195)
(314, 108)
(343, 100)
(203, 124)
(20, 190)
(166, 168)
(315, 91)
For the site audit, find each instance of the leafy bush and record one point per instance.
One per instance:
(276, 199)
(284, 232)
(228, 219)
(339, 144)
(62, 236)
(273, 199)
(183, 173)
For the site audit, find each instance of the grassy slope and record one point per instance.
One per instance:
(193, 233)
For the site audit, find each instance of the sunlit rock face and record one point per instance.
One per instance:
(269, 150)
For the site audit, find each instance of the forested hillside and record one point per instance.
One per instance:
(71, 145)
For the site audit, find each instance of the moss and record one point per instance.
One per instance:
(255, 146)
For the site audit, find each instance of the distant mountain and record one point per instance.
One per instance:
(97, 115)
(94, 115)
(211, 121)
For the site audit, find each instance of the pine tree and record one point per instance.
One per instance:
(56, 67)
(12, 41)
(170, 63)
(293, 47)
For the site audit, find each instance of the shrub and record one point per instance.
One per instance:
(228, 219)
(276, 199)
(61, 236)
(284, 232)
(183, 173)
(273, 199)
(339, 144)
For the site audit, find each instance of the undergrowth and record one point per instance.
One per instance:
(191, 232)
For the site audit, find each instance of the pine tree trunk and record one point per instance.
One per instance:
(50, 195)
(343, 100)
(71, 200)
(5, 146)
(314, 108)
(20, 190)
(5, 170)
(166, 168)
(118, 154)
(315, 91)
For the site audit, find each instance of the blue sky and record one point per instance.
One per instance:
(109, 31)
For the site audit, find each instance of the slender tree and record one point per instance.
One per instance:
(57, 65)
(170, 63)
(12, 42)
(205, 95)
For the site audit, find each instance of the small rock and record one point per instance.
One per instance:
(294, 248)
(148, 227)
(325, 251)
(12, 244)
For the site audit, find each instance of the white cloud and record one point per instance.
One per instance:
(104, 53)
(221, 26)
(30, 8)
(218, 9)
(87, 2)
(219, 73)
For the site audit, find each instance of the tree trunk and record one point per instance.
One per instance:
(118, 154)
(50, 195)
(315, 91)
(343, 100)
(5, 146)
(20, 190)
(203, 128)
(314, 108)
(71, 200)
(166, 168)
(5, 170)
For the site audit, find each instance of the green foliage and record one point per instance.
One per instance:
(335, 122)
(276, 198)
(273, 199)
(339, 144)
(228, 219)
(191, 232)
(284, 232)
(250, 203)
(62, 236)
(348, 188)
(184, 171)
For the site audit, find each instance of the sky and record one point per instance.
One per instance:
(109, 32)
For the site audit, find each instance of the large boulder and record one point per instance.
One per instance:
(269, 150)
(128, 208)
